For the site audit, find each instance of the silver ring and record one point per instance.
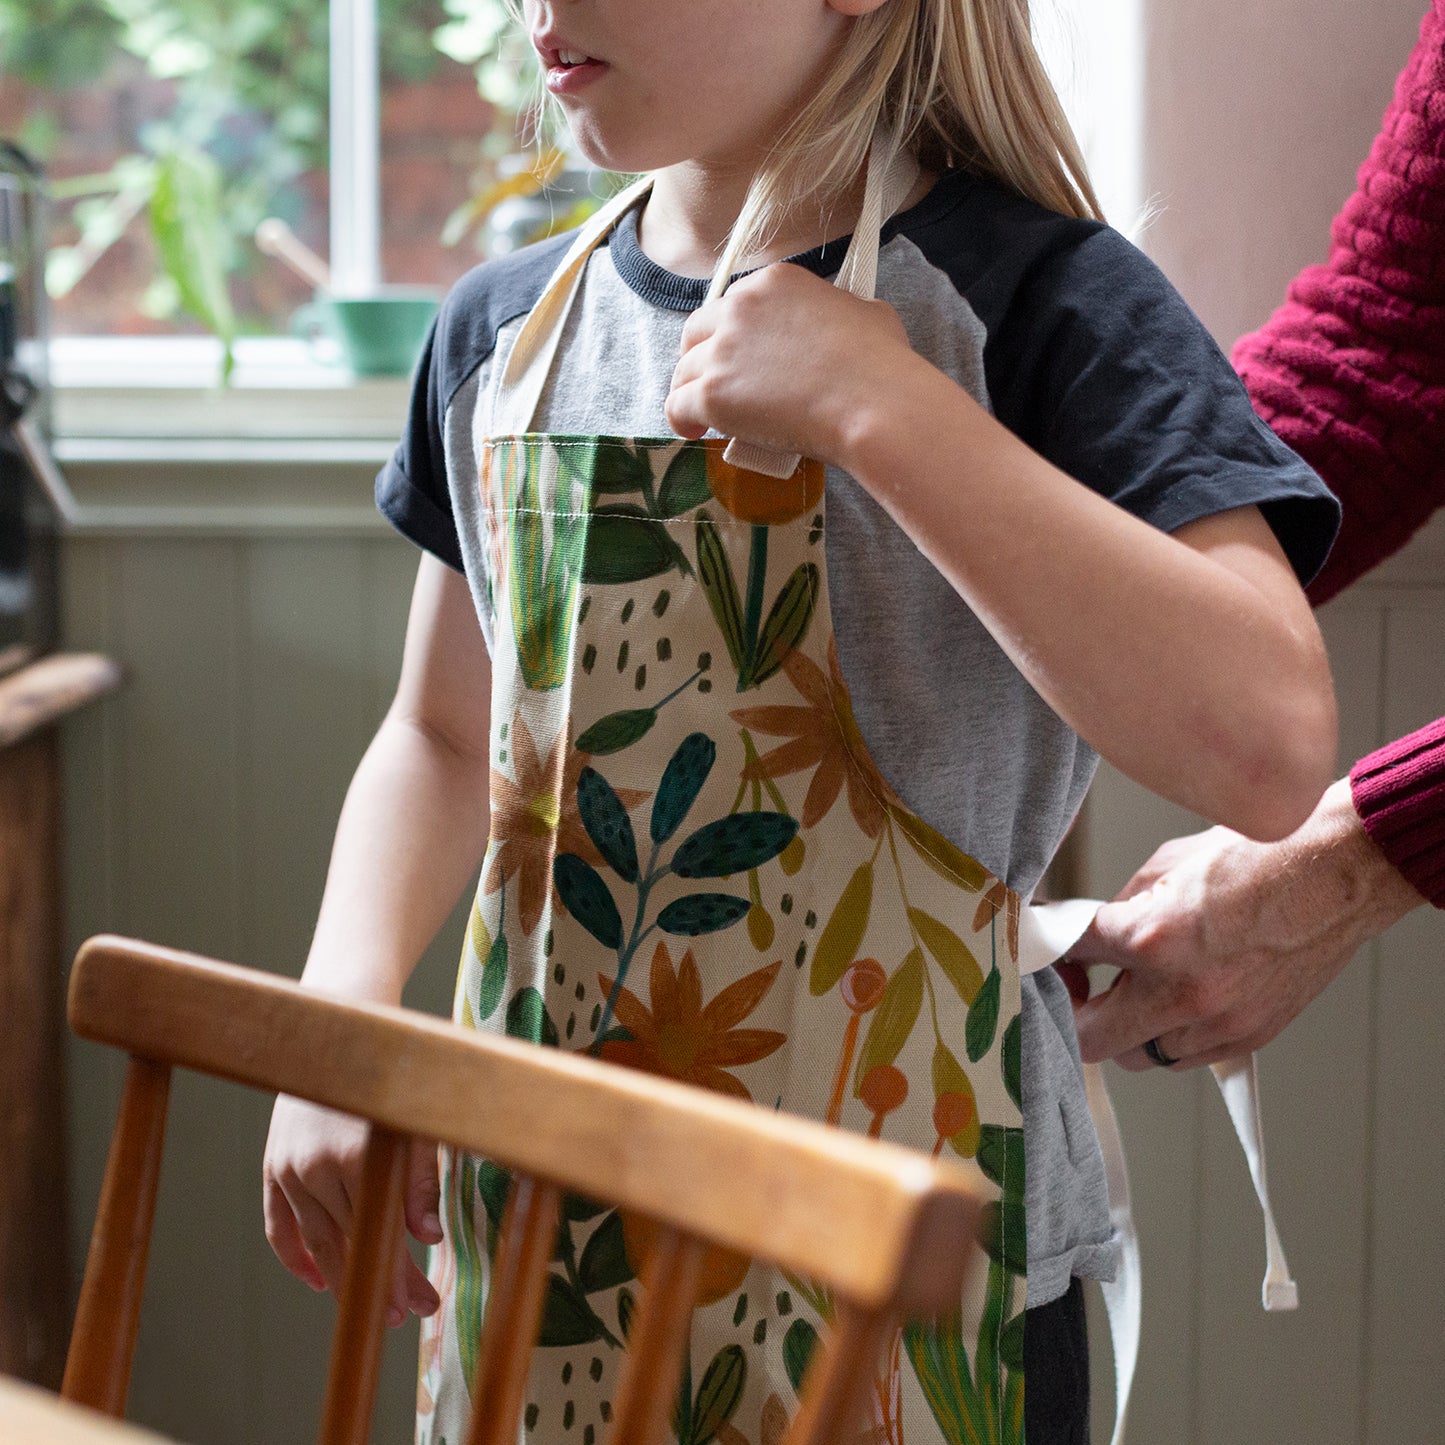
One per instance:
(1158, 1055)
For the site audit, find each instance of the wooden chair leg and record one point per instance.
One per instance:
(514, 1310)
(652, 1366)
(840, 1377)
(366, 1292)
(102, 1344)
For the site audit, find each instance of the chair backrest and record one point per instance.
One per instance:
(885, 1228)
(32, 1416)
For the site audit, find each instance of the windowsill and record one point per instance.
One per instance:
(162, 394)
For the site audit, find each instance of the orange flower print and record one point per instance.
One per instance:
(823, 736)
(681, 1038)
(758, 498)
(536, 817)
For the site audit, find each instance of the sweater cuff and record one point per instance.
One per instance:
(1399, 793)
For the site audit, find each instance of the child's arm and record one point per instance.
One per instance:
(1191, 661)
(411, 835)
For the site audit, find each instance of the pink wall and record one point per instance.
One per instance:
(1257, 115)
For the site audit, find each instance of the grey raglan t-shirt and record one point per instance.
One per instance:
(1078, 344)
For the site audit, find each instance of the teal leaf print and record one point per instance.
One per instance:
(798, 1346)
(494, 978)
(587, 898)
(566, 1319)
(617, 730)
(682, 781)
(787, 623)
(1013, 1060)
(607, 823)
(1001, 1154)
(719, 1394)
(699, 913)
(527, 1018)
(982, 1022)
(734, 845)
(604, 1257)
(715, 573)
(684, 483)
(625, 544)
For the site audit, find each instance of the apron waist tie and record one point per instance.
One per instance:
(1046, 932)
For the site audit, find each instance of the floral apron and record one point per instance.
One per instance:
(696, 869)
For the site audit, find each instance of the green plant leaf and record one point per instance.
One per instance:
(616, 731)
(733, 845)
(1001, 1155)
(189, 233)
(798, 1346)
(470, 1295)
(494, 978)
(787, 624)
(842, 935)
(684, 483)
(624, 544)
(1013, 1060)
(494, 1184)
(566, 1319)
(527, 1018)
(720, 1393)
(953, 954)
(982, 1022)
(715, 573)
(1011, 1343)
(893, 1019)
(607, 823)
(682, 781)
(1004, 1234)
(578, 1208)
(616, 470)
(587, 898)
(946, 859)
(604, 1257)
(697, 913)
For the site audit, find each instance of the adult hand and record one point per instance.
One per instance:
(1222, 940)
(311, 1175)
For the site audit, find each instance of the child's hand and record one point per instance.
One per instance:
(310, 1179)
(788, 360)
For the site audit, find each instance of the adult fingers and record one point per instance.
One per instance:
(1124, 1018)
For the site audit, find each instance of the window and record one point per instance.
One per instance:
(161, 121)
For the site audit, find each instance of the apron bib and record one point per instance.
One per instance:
(696, 869)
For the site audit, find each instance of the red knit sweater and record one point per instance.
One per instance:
(1350, 372)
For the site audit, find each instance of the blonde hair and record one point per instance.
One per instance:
(961, 85)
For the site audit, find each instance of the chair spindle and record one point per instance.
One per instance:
(840, 1375)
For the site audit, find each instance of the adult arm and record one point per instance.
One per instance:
(410, 837)
(1223, 943)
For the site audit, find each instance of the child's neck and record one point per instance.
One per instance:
(690, 212)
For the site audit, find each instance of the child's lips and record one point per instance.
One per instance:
(568, 70)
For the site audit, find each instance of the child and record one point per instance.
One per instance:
(774, 764)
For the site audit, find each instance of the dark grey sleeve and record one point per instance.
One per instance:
(1103, 369)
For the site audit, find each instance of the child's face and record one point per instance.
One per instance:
(665, 81)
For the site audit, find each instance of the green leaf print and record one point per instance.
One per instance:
(715, 573)
(494, 1184)
(699, 913)
(494, 978)
(587, 898)
(566, 1320)
(798, 1346)
(893, 1019)
(982, 1022)
(687, 770)
(1001, 1155)
(607, 823)
(578, 1208)
(734, 844)
(843, 933)
(950, 1078)
(1013, 1060)
(1004, 1234)
(469, 1293)
(604, 1257)
(617, 730)
(626, 1308)
(946, 859)
(684, 483)
(1011, 1343)
(787, 623)
(527, 1018)
(719, 1394)
(625, 544)
(953, 954)
(617, 470)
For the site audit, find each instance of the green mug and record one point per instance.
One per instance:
(380, 334)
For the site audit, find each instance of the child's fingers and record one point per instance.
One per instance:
(284, 1235)
(685, 412)
(411, 1291)
(323, 1238)
(699, 326)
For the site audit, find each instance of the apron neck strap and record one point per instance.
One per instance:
(892, 172)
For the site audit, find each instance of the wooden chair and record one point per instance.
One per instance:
(887, 1228)
(32, 1416)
